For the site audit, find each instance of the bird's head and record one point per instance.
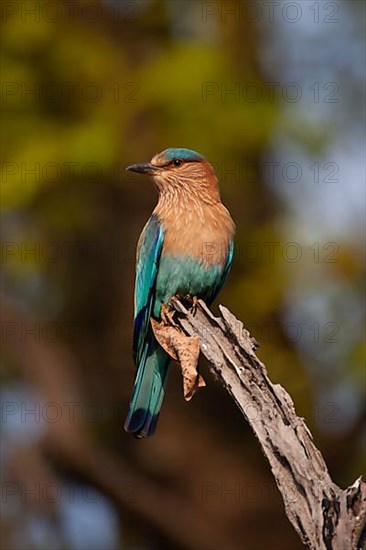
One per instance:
(177, 171)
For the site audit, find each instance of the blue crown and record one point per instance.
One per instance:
(181, 153)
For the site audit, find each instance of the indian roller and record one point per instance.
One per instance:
(185, 249)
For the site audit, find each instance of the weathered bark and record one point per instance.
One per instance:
(325, 516)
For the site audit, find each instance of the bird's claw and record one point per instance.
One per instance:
(192, 302)
(167, 312)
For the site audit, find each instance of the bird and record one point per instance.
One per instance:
(185, 249)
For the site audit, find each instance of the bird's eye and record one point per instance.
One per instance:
(177, 162)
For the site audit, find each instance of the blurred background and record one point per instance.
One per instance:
(272, 93)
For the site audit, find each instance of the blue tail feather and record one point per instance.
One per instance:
(149, 390)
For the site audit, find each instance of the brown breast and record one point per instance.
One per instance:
(199, 230)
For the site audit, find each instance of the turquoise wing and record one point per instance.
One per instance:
(150, 359)
(151, 245)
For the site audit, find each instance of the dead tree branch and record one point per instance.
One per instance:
(325, 516)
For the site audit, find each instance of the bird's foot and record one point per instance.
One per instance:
(167, 312)
(185, 350)
(191, 302)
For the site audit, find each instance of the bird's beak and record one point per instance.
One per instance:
(146, 168)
